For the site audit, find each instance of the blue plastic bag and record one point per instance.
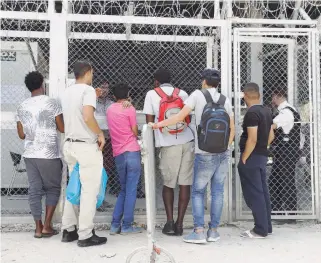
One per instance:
(73, 191)
(74, 186)
(102, 190)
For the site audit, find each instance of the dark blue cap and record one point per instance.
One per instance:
(211, 73)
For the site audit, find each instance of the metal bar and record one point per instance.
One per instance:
(139, 37)
(144, 20)
(152, 20)
(313, 130)
(284, 31)
(24, 15)
(315, 55)
(217, 13)
(102, 36)
(24, 34)
(266, 40)
(209, 52)
(237, 20)
(291, 57)
(236, 62)
(296, 10)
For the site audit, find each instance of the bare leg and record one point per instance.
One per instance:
(168, 198)
(49, 214)
(184, 197)
(39, 228)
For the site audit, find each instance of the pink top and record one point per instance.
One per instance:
(120, 122)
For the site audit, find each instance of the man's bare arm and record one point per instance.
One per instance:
(90, 120)
(250, 143)
(20, 131)
(60, 123)
(135, 130)
(232, 130)
(150, 118)
(271, 135)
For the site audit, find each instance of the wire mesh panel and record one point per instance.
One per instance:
(20, 54)
(134, 60)
(280, 62)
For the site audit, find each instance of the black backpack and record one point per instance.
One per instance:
(214, 130)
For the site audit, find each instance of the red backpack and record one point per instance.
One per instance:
(171, 105)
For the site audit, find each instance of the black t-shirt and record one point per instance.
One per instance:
(261, 117)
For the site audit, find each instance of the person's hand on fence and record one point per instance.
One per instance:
(102, 91)
(126, 104)
(154, 126)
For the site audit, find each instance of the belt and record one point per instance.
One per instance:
(73, 140)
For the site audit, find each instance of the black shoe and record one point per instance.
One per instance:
(178, 229)
(94, 240)
(169, 228)
(69, 236)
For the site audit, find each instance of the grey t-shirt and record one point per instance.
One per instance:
(74, 98)
(196, 101)
(102, 106)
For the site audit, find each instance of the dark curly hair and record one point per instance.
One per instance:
(33, 80)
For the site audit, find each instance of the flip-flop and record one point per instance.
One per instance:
(37, 235)
(248, 234)
(53, 233)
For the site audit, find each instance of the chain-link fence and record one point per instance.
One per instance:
(19, 55)
(280, 64)
(135, 62)
(132, 53)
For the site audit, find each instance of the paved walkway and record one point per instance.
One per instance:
(289, 243)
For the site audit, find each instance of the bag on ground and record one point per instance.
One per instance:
(73, 191)
(171, 105)
(214, 130)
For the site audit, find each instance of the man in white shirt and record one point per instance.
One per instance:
(208, 167)
(84, 141)
(286, 154)
(176, 155)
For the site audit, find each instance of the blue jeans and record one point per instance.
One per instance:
(128, 167)
(214, 169)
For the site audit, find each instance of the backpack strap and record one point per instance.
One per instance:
(176, 91)
(221, 100)
(207, 96)
(296, 115)
(160, 92)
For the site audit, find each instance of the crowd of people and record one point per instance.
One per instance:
(191, 156)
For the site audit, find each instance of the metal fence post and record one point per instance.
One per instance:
(226, 74)
(58, 71)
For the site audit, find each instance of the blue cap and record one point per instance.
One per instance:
(211, 73)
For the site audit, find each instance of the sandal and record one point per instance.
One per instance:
(53, 233)
(37, 235)
(248, 234)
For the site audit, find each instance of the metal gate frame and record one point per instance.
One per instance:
(58, 75)
(253, 35)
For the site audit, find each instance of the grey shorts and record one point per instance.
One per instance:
(176, 164)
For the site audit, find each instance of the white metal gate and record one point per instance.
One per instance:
(279, 58)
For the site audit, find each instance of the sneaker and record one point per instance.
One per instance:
(178, 229)
(94, 240)
(131, 230)
(114, 230)
(169, 228)
(212, 236)
(69, 236)
(195, 238)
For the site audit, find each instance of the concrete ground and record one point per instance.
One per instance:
(289, 243)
